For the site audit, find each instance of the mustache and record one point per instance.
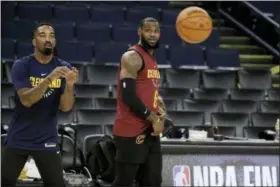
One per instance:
(146, 44)
(48, 43)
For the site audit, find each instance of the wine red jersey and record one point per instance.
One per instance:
(127, 123)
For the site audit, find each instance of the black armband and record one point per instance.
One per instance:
(129, 97)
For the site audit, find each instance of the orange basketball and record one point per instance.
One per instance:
(193, 25)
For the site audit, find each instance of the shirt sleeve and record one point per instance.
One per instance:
(20, 76)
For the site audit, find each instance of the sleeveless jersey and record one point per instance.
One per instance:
(127, 123)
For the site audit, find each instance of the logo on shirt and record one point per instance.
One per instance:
(146, 111)
(48, 93)
(181, 176)
(50, 144)
(140, 139)
(35, 81)
(155, 76)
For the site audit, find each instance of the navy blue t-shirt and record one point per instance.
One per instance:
(35, 128)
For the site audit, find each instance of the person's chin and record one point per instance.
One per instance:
(48, 48)
(47, 51)
(152, 44)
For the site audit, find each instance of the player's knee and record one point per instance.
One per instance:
(123, 181)
(54, 182)
(157, 181)
(7, 181)
(156, 177)
(57, 184)
(154, 180)
(8, 178)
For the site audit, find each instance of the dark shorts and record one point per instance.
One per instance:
(136, 149)
(138, 159)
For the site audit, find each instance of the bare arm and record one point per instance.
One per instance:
(30, 96)
(131, 63)
(161, 104)
(67, 99)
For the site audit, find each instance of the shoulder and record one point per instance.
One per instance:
(132, 60)
(22, 62)
(62, 62)
(132, 54)
(131, 57)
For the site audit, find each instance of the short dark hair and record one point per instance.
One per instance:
(39, 25)
(148, 19)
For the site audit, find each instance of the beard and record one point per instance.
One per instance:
(47, 51)
(147, 46)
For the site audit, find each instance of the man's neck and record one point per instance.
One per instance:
(42, 58)
(151, 51)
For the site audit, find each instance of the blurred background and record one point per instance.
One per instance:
(235, 70)
(230, 81)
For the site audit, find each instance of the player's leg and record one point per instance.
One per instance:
(12, 163)
(50, 167)
(150, 173)
(125, 173)
(130, 153)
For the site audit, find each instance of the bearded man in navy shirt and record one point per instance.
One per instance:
(44, 84)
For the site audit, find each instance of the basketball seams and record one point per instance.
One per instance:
(196, 29)
(188, 25)
(201, 16)
(186, 36)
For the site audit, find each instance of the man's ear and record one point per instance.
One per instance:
(139, 32)
(34, 42)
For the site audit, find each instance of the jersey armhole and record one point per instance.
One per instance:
(143, 62)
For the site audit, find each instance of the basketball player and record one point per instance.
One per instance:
(139, 120)
(44, 84)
